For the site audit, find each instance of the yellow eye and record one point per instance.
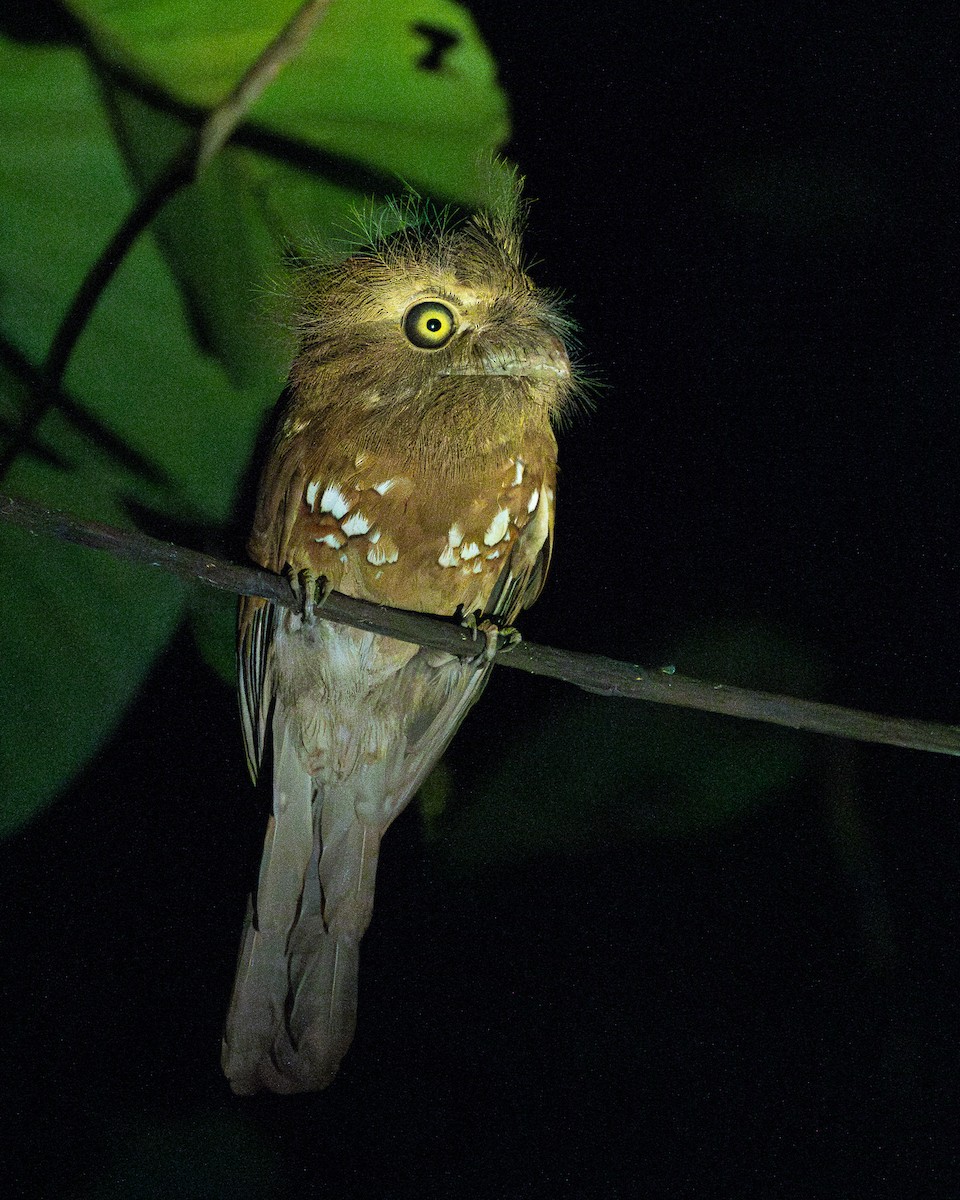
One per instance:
(429, 324)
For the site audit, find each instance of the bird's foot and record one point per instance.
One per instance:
(311, 590)
(498, 639)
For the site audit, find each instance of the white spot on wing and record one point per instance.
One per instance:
(448, 557)
(334, 502)
(384, 487)
(455, 535)
(375, 536)
(517, 472)
(378, 555)
(497, 528)
(477, 567)
(534, 500)
(470, 550)
(493, 554)
(354, 524)
(312, 489)
(334, 540)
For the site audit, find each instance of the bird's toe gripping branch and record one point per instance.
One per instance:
(498, 639)
(311, 590)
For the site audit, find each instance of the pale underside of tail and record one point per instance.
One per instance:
(293, 1009)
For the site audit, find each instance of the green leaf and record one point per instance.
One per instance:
(597, 772)
(215, 242)
(82, 630)
(178, 363)
(406, 87)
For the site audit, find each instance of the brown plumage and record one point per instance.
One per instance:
(414, 465)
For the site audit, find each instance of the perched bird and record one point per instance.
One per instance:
(413, 465)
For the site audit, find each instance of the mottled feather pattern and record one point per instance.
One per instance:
(414, 465)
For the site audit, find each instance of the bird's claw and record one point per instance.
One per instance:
(498, 639)
(311, 590)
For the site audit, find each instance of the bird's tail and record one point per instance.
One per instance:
(293, 1009)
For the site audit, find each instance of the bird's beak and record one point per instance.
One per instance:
(548, 361)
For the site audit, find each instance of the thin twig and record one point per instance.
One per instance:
(593, 673)
(209, 139)
(219, 126)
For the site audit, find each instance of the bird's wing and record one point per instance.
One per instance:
(448, 688)
(280, 494)
(525, 571)
(256, 625)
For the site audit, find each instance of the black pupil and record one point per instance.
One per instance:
(434, 324)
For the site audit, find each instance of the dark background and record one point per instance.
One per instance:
(751, 207)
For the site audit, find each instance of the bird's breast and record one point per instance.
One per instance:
(424, 544)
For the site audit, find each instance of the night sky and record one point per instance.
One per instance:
(751, 209)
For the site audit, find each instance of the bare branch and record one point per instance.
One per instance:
(593, 673)
(210, 138)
